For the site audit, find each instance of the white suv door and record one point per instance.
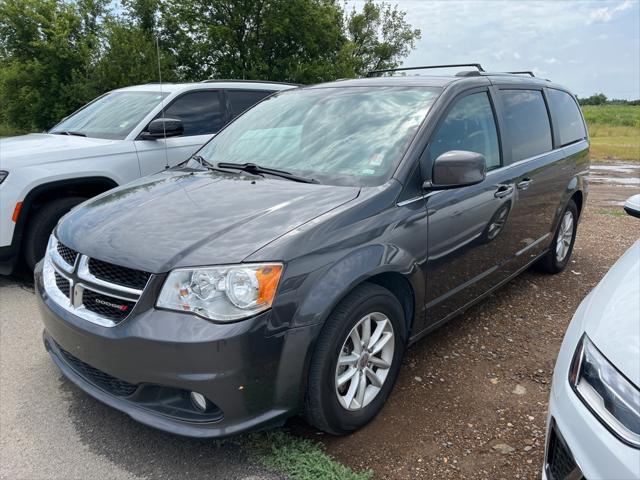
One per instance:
(202, 113)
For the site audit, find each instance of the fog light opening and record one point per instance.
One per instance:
(199, 401)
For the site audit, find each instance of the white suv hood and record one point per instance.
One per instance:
(39, 148)
(611, 318)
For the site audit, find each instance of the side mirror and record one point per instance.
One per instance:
(163, 128)
(632, 206)
(455, 169)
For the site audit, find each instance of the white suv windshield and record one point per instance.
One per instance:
(342, 135)
(112, 116)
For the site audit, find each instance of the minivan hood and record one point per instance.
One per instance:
(612, 315)
(187, 218)
(38, 148)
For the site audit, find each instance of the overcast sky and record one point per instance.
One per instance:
(588, 46)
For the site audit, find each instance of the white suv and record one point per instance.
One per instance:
(115, 139)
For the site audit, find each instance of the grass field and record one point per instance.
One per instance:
(614, 131)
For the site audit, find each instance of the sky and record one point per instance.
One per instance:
(587, 46)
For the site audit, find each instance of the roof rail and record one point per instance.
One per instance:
(375, 73)
(523, 72)
(228, 80)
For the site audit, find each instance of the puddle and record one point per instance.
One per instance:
(622, 174)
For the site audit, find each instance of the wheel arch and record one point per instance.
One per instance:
(385, 265)
(83, 187)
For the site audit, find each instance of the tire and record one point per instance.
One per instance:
(324, 402)
(42, 224)
(551, 262)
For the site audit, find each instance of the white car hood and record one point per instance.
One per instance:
(612, 315)
(39, 148)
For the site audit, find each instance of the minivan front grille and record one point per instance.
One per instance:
(107, 306)
(127, 277)
(68, 254)
(62, 284)
(95, 290)
(113, 385)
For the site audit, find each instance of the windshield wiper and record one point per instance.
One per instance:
(203, 163)
(69, 132)
(258, 170)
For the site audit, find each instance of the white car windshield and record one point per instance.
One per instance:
(111, 116)
(345, 135)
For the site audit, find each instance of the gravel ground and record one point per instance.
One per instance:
(471, 400)
(479, 382)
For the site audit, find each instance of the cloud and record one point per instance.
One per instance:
(606, 14)
(561, 40)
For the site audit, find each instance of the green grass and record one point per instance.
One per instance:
(299, 458)
(614, 131)
(613, 213)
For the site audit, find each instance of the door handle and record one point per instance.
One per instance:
(524, 183)
(503, 191)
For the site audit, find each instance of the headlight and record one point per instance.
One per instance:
(606, 392)
(224, 293)
(3, 175)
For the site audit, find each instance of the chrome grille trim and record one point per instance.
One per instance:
(61, 263)
(79, 283)
(86, 275)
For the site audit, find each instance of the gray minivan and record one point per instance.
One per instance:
(285, 268)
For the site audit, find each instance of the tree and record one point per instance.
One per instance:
(46, 51)
(595, 99)
(301, 41)
(378, 37)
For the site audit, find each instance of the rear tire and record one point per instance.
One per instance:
(42, 224)
(340, 408)
(559, 254)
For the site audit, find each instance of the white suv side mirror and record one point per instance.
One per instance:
(632, 206)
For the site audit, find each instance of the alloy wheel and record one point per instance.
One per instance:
(364, 361)
(565, 235)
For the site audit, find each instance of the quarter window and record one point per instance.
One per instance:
(241, 100)
(526, 123)
(566, 114)
(200, 112)
(469, 125)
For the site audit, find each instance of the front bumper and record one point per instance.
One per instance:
(596, 452)
(251, 373)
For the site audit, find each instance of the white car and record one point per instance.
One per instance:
(118, 137)
(593, 427)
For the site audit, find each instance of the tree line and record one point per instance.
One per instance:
(601, 99)
(57, 55)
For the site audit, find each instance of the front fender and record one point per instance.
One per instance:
(331, 285)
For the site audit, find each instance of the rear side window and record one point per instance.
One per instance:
(526, 123)
(241, 100)
(470, 126)
(200, 112)
(567, 115)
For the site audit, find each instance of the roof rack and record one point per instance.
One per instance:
(229, 80)
(523, 72)
(375, 73)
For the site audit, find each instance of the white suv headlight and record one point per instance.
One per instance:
(606, 392)
(224, 293)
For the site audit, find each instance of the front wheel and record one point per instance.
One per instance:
(41, 226)
(356, 360)
(561, 248)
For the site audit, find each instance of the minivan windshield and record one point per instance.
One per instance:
(111, 116)
(336, 135)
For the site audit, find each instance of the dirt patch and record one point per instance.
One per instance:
(471, 400)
